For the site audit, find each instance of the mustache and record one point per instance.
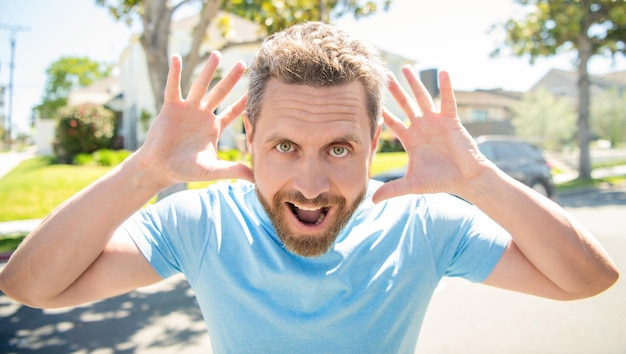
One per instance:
(319, 201)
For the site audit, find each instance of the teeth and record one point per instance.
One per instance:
(319, 220)
(306, 208)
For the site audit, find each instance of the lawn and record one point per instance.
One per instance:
(37, 186)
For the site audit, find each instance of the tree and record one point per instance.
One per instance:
(156, 18)
(589, 27)
(273, 15)
(545, 119)
(608, 115)
(277, 15)
(64, 75)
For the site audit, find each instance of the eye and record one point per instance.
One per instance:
(338, 151)
(284, 147)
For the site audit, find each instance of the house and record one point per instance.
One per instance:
(564, 83)
(485, 112)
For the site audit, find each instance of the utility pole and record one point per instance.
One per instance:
(12, 37)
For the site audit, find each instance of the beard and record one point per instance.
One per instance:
(309, 245)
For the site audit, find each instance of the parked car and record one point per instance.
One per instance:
(519, 159)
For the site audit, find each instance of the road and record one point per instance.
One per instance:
(469, 318)
(463, 317)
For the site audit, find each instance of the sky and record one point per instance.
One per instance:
(447, 35)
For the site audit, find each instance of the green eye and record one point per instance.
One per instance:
(338, 151)
(284, 147)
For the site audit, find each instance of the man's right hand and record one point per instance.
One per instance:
(181, 145)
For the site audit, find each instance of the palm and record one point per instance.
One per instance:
(442, 155)
(182, 143)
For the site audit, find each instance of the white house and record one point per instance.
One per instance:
(564, 83)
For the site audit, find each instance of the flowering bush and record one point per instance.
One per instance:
(83, 129)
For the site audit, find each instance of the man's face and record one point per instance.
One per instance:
(311, 152)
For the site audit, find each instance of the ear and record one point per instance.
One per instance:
(248, 127)
(379, 129)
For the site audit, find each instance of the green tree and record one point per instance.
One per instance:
(545, 119)
(66, 74)
(589, 27)
(156, 18)
(276, 15)
(608, 116)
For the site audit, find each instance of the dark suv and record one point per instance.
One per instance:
(515, 157)
(520, 160)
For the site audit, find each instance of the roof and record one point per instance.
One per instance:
(495, 97)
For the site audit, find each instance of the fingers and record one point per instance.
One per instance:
(224, 86)
(232, 112)
(394, 123)
(402, 98)
(423, 98)
(201, 83)
(389, 190)
(172, 85)
(448, 102)
(229, 170)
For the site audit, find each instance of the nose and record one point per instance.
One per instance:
(310, 177)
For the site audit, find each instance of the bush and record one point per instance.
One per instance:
(390, 145)
(83, 160)
(83, 129)
(102, 157)
(106, 157)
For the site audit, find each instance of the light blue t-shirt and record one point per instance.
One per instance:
(368, 294)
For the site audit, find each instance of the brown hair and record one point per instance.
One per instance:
(316, 54)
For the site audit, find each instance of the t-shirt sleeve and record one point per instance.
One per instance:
(172, 233)
(145, 230)
(470, 243)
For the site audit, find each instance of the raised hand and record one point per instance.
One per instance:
(181, 145)
(442, 155)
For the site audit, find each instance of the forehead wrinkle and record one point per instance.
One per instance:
(341, 99)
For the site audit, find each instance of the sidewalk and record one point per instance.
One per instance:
(10, 160)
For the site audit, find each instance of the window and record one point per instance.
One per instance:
(479, 115)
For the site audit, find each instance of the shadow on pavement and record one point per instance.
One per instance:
(597, 198)
(129, 323)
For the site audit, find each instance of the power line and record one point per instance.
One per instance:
(13, 30)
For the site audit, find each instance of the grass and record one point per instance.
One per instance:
(37, 186)
(10, 242)
(596, 182)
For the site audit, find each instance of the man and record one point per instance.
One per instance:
(311, 256)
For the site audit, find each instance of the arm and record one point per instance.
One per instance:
(550, 254)
(73, 256)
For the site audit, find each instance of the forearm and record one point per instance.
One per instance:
(68, 241)
(553, 242)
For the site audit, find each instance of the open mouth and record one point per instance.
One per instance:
(309, 215)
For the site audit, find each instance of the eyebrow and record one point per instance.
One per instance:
(345, 139)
